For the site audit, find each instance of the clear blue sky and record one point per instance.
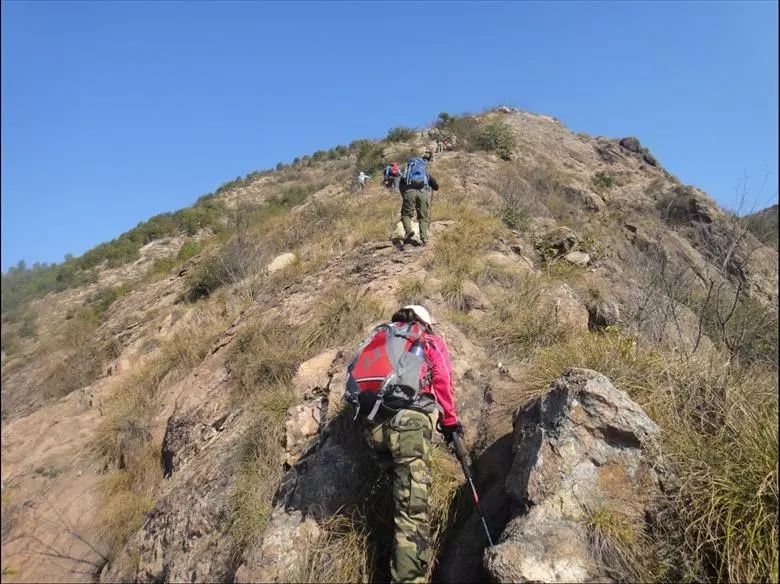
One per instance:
(115, 111)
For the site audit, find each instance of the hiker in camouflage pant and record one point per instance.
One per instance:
(406, 438)
(402, 442)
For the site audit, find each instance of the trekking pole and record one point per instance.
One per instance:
(461, 454)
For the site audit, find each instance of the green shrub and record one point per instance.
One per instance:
(497, 137)
(189, 249)
(370, 157)
(466, 128)
(96, 306)
(294, 195)
(443, 120)
(207, 278)
(400, 134)
(161, 267)
(602, 180)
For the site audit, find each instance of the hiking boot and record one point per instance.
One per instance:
(408, 238)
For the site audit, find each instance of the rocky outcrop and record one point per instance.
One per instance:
(282, 551)
(603, 312)
(584, 456)
(568, 312)
(578, 258)
(557, 242)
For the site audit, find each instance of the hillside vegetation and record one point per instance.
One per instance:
(159, 390)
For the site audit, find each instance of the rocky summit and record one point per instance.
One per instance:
(171, 400)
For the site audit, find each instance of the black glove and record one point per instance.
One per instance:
(449, 430)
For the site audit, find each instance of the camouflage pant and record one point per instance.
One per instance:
(406, 440)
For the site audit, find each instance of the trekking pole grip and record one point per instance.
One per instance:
(460, 453)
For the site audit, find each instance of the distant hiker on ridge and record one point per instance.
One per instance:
(393, 176)
(362, 178)
(415, 188)
(399, 377)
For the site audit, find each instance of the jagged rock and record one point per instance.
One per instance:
(608, 152)
(303, 422)
(581, 449)
(631, 144)
(701, 210)
(281, 261)
(314, 375)
(593, 202)
(564, 307)
(473, 297)
(558, 241)
(280, 555)
(326, 478)
(578, 258)
(603, 313)
(585, 197)
(185, 536)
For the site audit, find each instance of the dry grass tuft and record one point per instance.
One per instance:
(129, 494)
(516, 326)
(258, 476)
(458, 251)
(341, 554)
(265, 355)
(619, 544)
(452, 292)
(410, 291)
(343, 316)
(447, 478)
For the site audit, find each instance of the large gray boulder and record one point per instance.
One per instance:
(584, 456)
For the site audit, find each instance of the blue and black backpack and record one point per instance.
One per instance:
(416, 174)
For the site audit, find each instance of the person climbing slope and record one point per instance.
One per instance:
(415, 188)
(395, 172)
(387, 177)
(392, 176)
(361, 179)
(399, 377)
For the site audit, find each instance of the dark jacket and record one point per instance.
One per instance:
(431, 183)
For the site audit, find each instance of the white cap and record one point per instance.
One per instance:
(421, 313)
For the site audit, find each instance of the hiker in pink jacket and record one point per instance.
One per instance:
(400, 375)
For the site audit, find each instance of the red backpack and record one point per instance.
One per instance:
(387, 369)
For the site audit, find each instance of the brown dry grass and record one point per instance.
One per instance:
(122, 441)
(341, 318)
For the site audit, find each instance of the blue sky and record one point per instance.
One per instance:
(113, 112)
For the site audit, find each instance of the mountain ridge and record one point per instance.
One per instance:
(149, 380)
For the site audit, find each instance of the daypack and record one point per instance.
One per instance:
(416, 174)
(386, 369)
(394, 169)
